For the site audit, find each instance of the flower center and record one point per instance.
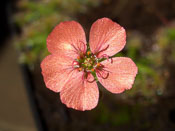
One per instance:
(87, 62)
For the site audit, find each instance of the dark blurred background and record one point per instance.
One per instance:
(26, 104)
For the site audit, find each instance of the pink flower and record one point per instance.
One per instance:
(70, 66)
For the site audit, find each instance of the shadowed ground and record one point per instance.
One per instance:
(15, 113)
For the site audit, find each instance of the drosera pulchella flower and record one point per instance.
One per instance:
(73, 69)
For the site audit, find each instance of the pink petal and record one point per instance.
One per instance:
(108, 36)
(122, 72)
(67, 37)
(80, 95)
(56, 70)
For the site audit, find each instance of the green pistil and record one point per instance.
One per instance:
(88, 62)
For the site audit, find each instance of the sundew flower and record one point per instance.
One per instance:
(73, 69)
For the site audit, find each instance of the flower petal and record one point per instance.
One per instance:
(80, 94)
(56, 70)
(122, 72)
(106, 37)
(67, 37)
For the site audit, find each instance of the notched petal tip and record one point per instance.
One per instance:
(64, 35)
(80, 95)
(56, 71)
(121, 76)
(104, 32)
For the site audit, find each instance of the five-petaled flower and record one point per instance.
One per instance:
(71, 66)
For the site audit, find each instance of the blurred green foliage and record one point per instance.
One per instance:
(38, 18)
(151, 61)
(116, 117)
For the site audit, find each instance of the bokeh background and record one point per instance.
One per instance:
(26, 104)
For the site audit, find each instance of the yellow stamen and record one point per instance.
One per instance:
(92, 70)
(88, 53)
(98, 64)
(80, 69)
(78, 57)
